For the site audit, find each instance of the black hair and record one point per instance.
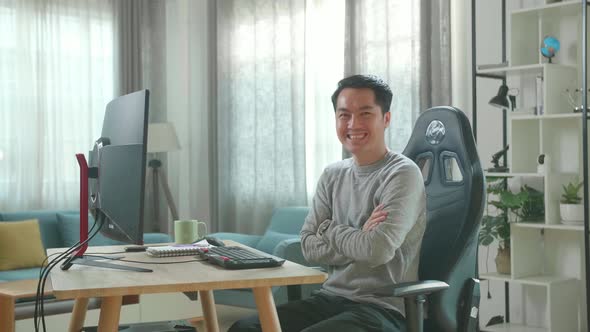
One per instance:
(383, 94)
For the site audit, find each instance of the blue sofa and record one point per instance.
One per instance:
(280, 239)
(58, 228)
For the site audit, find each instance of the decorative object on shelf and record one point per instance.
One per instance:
(549, 47)
(504, 99)
(542, 164)
(570, 209)
(573, 97)
(161, 138)
(496, 161)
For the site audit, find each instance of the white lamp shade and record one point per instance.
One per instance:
(162, 138)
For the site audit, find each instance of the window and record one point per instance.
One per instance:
(56, 76)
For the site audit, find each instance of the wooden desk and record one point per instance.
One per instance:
(9, 293)
(82, 282)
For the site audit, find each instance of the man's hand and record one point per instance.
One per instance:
(377, 217)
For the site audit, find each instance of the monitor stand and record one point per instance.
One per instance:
(78, 256)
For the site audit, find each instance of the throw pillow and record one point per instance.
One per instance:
(20, 245)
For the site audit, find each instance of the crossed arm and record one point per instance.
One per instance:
(330, 242)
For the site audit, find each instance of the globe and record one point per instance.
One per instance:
(549, 46)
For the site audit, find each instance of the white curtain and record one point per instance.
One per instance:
(265, 106)
(56, 76)
(278, 64)
(407, 44)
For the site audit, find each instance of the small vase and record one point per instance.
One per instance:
(503, 260)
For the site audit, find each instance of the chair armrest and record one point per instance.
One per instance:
(422, 287)
(246, 239)
(290, 249)
(414, 294)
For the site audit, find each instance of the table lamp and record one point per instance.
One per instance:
(505, 102)
(161, 138)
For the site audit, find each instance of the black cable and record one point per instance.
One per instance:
(44, 274)
(59, 259)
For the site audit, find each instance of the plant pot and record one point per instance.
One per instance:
(503, 260)
(571, 213)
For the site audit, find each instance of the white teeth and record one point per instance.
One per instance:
(356, 137)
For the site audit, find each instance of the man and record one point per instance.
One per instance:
(366, 223)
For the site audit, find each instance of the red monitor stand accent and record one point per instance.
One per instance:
(77, 257)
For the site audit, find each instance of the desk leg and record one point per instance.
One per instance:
(266, 309)
(78, 314)
(6, 314)
(208, 305)
(110, 311)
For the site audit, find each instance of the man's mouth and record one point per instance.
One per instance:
(356, 136)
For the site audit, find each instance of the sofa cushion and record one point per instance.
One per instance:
(47, 225)
(270, 240)
(20, 274)
(20, 245)
(69, 228)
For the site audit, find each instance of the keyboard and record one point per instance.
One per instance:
(237, 258)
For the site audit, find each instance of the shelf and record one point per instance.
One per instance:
(532, 68)
(510, 327)
(533, 280)
(516, 117)
(550, 226)
(565, 8)
(511, 175)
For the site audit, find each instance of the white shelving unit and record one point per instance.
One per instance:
(547, 257)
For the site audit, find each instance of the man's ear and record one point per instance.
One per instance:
(387, 118)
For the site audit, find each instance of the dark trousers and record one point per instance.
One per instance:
(322, 312)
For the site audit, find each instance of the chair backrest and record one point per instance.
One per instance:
(443, 146)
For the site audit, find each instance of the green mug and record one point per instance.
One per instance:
(188, 231)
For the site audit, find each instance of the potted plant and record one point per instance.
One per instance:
(533, 208)
(570, 209)
(495, 223)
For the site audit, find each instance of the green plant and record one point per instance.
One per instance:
(527, 204)
(570, 193)
(533, 208)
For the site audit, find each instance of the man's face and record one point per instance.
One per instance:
(360, 124)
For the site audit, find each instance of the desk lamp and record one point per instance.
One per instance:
(503, 101)
(161, 138)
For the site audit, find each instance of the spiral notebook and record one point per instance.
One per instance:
(175, 250)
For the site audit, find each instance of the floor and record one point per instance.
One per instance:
(226, 316)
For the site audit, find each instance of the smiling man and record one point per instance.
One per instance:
(365, 224)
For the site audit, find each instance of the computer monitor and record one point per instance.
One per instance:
(117, 194)
(112, 184)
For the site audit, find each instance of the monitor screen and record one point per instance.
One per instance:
(116, 191)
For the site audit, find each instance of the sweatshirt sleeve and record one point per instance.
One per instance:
(404, 199)
(315, 248)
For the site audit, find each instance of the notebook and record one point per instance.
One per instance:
(176, 250)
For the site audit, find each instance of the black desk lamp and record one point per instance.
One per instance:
(504, 101)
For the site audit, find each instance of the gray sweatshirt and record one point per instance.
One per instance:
(362, 265)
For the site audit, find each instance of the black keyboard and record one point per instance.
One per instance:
(236, 258)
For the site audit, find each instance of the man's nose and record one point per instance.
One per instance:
(353, 122)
